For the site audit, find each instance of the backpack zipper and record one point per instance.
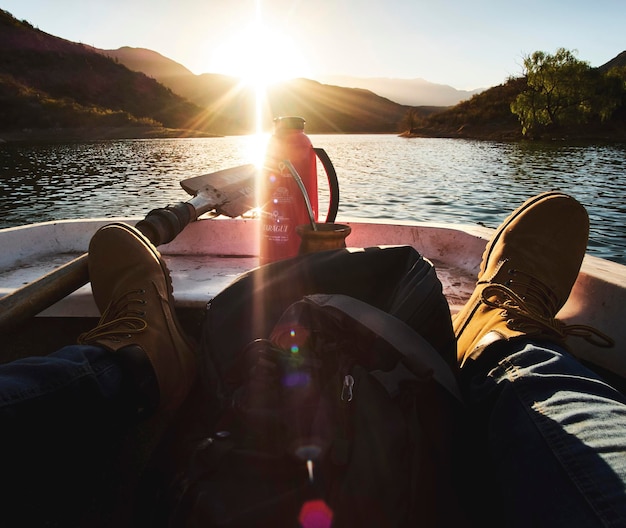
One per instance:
(341, 446)
(347, 389)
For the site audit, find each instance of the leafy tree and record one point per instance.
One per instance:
(615, 88)
(411, 120)
(562, 90)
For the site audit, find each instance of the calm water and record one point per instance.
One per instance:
(382, 177)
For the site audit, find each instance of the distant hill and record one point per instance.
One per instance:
(51, 84)
(202, 89)
(413, 92)
(617, 62)
(46, 81)
(326, 108)
(147, 61)
(410, 92)
(488, 115)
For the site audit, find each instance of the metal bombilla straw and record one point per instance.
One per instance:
(296, 176)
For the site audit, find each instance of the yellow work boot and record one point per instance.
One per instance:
(132, 288)
(527, 273)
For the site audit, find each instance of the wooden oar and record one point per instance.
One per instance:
(230, 191)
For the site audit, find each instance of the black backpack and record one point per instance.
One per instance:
(329, 396)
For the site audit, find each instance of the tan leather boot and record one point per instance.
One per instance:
(527, 273)
(132, 288)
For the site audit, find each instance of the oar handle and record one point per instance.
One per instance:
(160, 226)
(38, 295)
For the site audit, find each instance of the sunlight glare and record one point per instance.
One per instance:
(260, 56)
(257, 145)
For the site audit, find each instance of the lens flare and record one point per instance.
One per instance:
(296, 379)
(315, 514)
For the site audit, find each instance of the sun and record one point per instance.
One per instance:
(259, 56)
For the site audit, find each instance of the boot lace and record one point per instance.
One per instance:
(123, 318)
(536, 309)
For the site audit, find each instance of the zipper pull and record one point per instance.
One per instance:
(346, 389)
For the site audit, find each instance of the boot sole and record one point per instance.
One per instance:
(510, 219)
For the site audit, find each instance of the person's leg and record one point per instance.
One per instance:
(132, 288)
(554, 436)
(64, 416)
(550, 432)
(69, 381)
(63, 419)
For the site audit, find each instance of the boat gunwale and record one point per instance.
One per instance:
(599, 290)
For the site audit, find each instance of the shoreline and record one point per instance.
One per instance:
(612, 133)
(99, 133)
(468, 132)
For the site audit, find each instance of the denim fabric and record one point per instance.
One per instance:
(67, 379)
(63, 418)
(555, 439)
(553, 435)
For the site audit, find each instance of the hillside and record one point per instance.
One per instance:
(408, 92)
(617, 62)
(412, 92)
(488, 115)
(46, 81)
(202, 90)
(53, 87)
(326, 108)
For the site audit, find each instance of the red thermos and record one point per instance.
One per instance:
(282, 204)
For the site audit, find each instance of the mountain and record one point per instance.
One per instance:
(326, 108)
(413, 92)
(616, 62)
(49, 82)
(147, 61)
(204, 90)
(488, 115)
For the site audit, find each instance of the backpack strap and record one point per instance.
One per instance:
(417, 354)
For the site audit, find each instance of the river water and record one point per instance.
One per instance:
(380, 176)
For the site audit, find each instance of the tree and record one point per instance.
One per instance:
(411, 120)
(562, 90)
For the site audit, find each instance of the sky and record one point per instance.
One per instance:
(467, 44)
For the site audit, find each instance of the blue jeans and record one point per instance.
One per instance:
(554, 435)
(62, 422)
(555, 438)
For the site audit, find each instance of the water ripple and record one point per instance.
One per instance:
(381, 177)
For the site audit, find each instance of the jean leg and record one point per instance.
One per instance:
(73, 370)
(555, 437)
(62, 416)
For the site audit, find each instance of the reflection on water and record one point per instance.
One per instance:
(384, 177)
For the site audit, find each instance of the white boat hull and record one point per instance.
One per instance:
(210, 253)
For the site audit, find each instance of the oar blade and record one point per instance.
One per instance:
(234, 186)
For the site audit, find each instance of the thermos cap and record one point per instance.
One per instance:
(289, 122)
